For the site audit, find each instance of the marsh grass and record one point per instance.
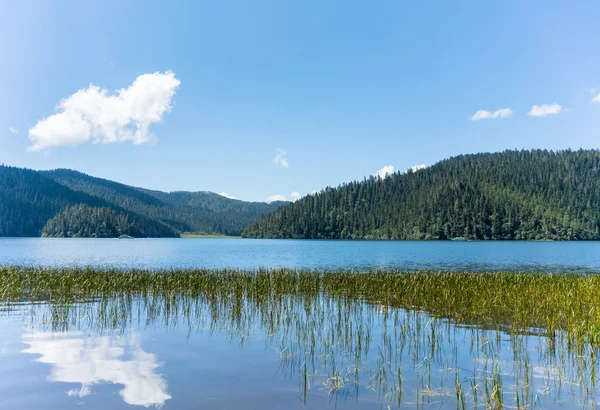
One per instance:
(511, 301)
(400, 336)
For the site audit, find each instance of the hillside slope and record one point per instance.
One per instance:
(83, 221)
(28, 200)
(199, 212)
(535, 194)
(65, 203)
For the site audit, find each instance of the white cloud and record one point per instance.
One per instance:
(13, 130)
(276, 197)
(89, 361)
(596, 99)
(415, 168)
(385, 171)
(81, 392)
(295, 195)
(487, 115)
(96, 113)
(545, 110)
(280, 158)
(226, 195)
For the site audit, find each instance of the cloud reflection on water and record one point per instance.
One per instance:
(77, 358)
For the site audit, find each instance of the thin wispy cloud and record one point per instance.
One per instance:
(596, 99)
(488, 115)
(226, 195)
(545, 109)
(13, 130)
(385, 171)
(276, 197)
(295, 195)
(102, 116)
(280, 158)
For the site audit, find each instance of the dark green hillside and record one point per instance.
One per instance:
(535, 195)
(199, 212)
(208, 212)
(28, 200)
(83, 221)
(68, 203)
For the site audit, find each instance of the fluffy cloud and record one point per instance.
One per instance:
(226, 195)
(13, 130)
(295, 195)
(487, 115)
(385, 171)
(545, 110)
(415, 168)
(596, 99)
(280, 158)
(97, 114)
(276, 197)
(90, 361)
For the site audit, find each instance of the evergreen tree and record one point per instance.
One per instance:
(83, 221)
(32, 202)
(531, 195)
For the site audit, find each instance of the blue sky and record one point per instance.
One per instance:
(344, 88)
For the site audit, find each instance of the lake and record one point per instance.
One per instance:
(282, 350)
(254, 253)
(360, 357)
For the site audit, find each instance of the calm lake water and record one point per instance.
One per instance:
(252, 253)
(289, 352)
(302, 351)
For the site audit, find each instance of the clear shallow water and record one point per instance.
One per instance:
(251, 254)
(290, 352)
(329, 353)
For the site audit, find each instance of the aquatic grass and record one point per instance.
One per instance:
(506, 300)
(345, 331)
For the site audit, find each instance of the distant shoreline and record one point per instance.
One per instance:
(207, 236)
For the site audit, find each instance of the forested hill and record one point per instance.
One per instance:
(69, 203)
(199, 212)
(533, 195)
(29, 200)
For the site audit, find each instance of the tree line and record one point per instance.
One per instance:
(512, 195)
(69, 203)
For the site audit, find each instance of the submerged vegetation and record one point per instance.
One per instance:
(518, 301)
(490, 339)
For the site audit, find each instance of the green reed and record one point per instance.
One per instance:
(510, 300)
(322, 324)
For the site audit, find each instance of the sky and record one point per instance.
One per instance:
(272, 99)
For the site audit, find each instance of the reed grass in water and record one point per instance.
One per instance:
(387, 332)
(511, 300)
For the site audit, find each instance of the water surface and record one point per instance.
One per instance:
(281, 352)
(255, 253)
